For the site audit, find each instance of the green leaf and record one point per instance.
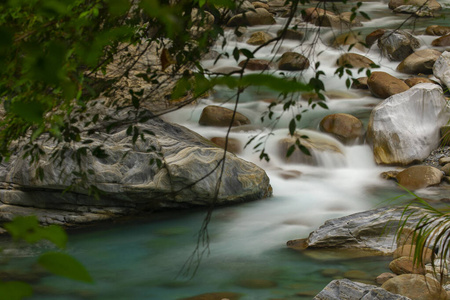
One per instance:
(64, 265)
(55, 234)
(290, 151)
(118, 7)
(28, 229)
(366, 16)
(322, 104)
(99, 152)
(236, 53)
(292, 127)
(29, 111)
(247, 53)
(348, 83)
(304, 150)
(15, 290)
(274, 83)
(181, 88)
(135, 101)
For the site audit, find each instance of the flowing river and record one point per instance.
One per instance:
(247, 251)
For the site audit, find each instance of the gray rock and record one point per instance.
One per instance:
(441, 68)
(396, 45)
(373, 231)
(349, 290)
(405, 127)
(128, 181)
(423, 11)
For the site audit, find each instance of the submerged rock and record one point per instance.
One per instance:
(405, 127)
(129, 183)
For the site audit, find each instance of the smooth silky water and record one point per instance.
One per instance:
(144, 259)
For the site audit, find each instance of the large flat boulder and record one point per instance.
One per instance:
(405, 127)
(373, 231)
(171, 167)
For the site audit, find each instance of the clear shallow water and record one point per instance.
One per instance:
(143, 259)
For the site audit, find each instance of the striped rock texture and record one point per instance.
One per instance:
(188, 176)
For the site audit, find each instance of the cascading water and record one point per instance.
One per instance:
(247, 252)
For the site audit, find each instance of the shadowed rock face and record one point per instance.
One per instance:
(129, 183)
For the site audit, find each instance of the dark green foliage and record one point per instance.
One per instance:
(58, 263)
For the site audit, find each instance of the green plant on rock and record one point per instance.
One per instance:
(432, 231)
